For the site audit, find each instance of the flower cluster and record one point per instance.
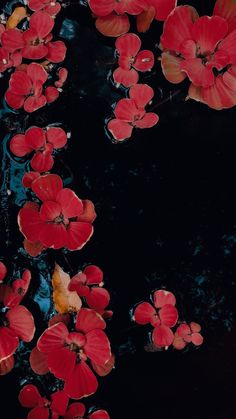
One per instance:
(130, 113)
(29, 85)
(62, 219)
(163, 316)
(112, 17)
(17, 322)
(54, 406)
(41, 142)
(131, 60)
(202, 49)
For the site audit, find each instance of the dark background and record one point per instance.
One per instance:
(166, 209)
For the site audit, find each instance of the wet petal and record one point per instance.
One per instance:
(29, 396)
(125, 77)
(148, 121)
(94, 275)
(18, 146)
(162, 297)
(171, 68)
(47, 187)
(81, 383)
(35, 138)
(21, 322)
(61, 362)
(128, 45)
(97, 347)
(113, 25)
(78, 233)
(142, 94)
(162, 336)
(208, 31)
(59, 402)
(8, 342)
(56, 136)
(7, 365)
(144, 313)
(120, 130)
(56, 51)
(75, 410)
(87, 320)
(42, 23)
(168, 315)
(38, 362)
(53, 338)
(71, 205)
(144, 61)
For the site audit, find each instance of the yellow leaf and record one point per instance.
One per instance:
(65, 301)
(16, 17)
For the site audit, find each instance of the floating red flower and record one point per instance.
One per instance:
(78, 410)
(62, 77)
(41, 407)
(202, 49)
(42, 142)
(162, 316)
(49, 6)
(3, 271)
(187, 333)
(63, 220)
(25, 88)
(131, 60)
(88, 284)
(130, 113)
(16, 321)
(68, 352)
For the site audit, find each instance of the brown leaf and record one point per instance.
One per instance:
(65, 301)
(16, 17)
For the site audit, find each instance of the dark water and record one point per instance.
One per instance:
(166, 218)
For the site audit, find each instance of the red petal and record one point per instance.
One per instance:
(50, 210)
(42, 23)
(94, 275)
(12, 40)
(162, 336)
(47, 187)
(142, 94)
(29, 223)
(53, 338)
(51, 94)
(57, 318)
(39, 413)
(148, 121)
(113, 25)
(53, 235)
(103, 370)
(98, 298)
(208, 31)
(89, 213)
(178, 27)
(77, 284)
(125, 110)
(128, 45)
(195, 327)
(178, 342)
(87, 320)
(59, 402)
(62, 74)
(99, 414)
(120, 130)
(56, 51)
(225, 9)
(228, 46)
(33, 248)
(171, 68)
(34, 52)
(37, 73)
(168, 315)
(75, 410)
(144, 61)
(62, 362)
(56, 136)
(29, 396)
(145, 19)
(71, 205)
(219, 96)
(143, 313)
(38, 362)
(28, 178)
(3, 271)
(229, 78)
(126, 77)
(163, 297)
(42, 161)
(7, 365)
(32, 104)
(21, 322)
(8, 342)
(35, 5)
(81, 383)
(78, 234)
(52, 10)
(18, 146)
(35, 138)
(97, 347)
(184, 332)
(133, 7)
(20, 83)
(197, 339)
(163, 7)
(14, 101)
(102, 7)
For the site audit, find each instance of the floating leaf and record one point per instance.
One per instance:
(16, 17)
(65, 301)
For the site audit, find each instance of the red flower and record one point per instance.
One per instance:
(25, 88)
(51, 7)
(88, 284)
(162, 317)
(130, 60)
(63, 220)
(8, 60)
(68, 352)
(16, 321)
(112, 18)
(12, 40)
(41, 407)
(43, 142)
(202, 49)
(130, 113)
(7, 365)
(77, 410)
(62, 77)
(187, 333)
(3, 271)
(37, 39)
